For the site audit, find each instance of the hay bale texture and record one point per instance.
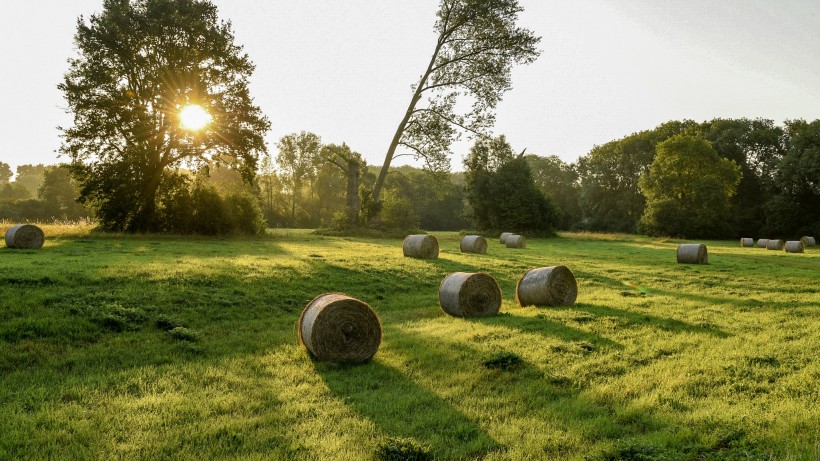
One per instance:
(747, 242)
(773, 244)
(335, 327)
(808, 241)
(420, 246)
(793, 246)
(25, 236)
(467, 294)
(692, 253)
(547, 286)
(504, 236)
(761, 243)
(516, 241)
(474, 244)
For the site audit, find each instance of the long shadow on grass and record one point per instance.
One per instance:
(400, 408)
(518, 391)
(667, 324)
(546, 327)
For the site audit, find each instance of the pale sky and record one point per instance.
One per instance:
(343, 69)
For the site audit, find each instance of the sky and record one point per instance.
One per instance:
(343, 69)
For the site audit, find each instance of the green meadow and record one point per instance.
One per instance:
(161, 347)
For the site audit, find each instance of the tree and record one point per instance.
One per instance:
(351, 165)
(793, 209)
(687, 189)
(502, 193)
(5, 173)
(59, 194)
(558, 181)
(30, 177)
(140, 63)
(478, 43)
(610, 197)
(297, 161)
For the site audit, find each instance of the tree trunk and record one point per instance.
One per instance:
(352, 172)
(391, 151)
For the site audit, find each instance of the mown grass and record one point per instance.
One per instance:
(139, 347)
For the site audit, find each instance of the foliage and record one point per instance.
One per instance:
(139, 63)
(705, 366)
(59, 193)
(297, 163)
(502, 193)
(687, 189)
(559, 182)
(397, 212)
(610, 198)
(5, 173)
(477, 44)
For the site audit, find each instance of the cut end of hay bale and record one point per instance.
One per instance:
(547, 286)
(25, 236)
(692, 253)
(516, 241)
(466, 294)
(504, 235)
(474, 244)
(761, 243)
(421, 246)
(808, 241)
(793, 246)
(747, 242)
(773, 244)
(337, 328)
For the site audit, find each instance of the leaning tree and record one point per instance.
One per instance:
(468, 73)
(157, 85)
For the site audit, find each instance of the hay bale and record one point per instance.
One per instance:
(421, 246)
(504, 236)
(466, 294)
(547, 286)
(516, 241)
(692, 253)
(773, 244)
(793, 246)
(27, 236)
(474, 244)
(808, 241)
(747, 242)
(335, 327)
(761, 243)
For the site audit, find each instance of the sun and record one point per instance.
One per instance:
(194, 118)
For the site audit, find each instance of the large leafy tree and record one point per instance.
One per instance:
(478, 43)
(140, 63)
(687, 189)
(558, 181)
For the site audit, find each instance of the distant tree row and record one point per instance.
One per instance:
(39, 193)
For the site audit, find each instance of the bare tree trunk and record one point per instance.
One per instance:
(391, 151)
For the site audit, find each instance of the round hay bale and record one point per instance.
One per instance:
(466, 294)
(547, 286)
(793, 246)
(27, 236)
(808, 241)
(474, 244)
(761, 243)
(516, 241)
(747, 242)
(335, 327)
(504, 236)
(692, 253)
(773, 244)
(421, 246)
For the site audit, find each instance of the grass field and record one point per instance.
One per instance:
(133, 347)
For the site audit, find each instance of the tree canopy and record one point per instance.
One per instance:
(687, 189)
(140, 63)
(478, 42)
